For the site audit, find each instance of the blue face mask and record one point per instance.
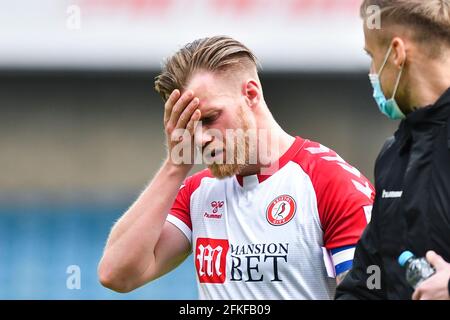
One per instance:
(388, 107)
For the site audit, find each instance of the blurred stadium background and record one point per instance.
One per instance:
(80, 123)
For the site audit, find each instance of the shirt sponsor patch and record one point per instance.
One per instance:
(210, 259)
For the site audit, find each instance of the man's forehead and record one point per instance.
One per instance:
(208, 87)
(369, 36)
(203, 82)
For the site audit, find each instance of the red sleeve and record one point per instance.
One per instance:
(344, 195)
(181, 206)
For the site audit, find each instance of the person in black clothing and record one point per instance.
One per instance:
(410, 74)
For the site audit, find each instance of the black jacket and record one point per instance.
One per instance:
(412, 205)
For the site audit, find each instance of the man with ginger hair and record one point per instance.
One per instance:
(410, 74)
(261, 225)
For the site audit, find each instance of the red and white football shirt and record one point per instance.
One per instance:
(262, 236)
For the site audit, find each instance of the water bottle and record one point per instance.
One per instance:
(417, 269)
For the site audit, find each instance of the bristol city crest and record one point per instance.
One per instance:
(281, 210)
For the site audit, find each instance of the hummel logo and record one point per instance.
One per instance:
(216, 205)
(392, 194)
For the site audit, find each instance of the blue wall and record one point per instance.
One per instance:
(39, 242)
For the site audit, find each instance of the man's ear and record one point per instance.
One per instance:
(252, 92)
(399, 52)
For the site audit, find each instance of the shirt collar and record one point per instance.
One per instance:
(253, 180)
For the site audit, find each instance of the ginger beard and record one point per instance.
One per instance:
(240, 150)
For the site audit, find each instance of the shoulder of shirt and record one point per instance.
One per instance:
(192, 182)
(386, 146)
(314, 157)
(323, 165)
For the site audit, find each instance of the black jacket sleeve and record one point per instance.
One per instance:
(364, 281)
